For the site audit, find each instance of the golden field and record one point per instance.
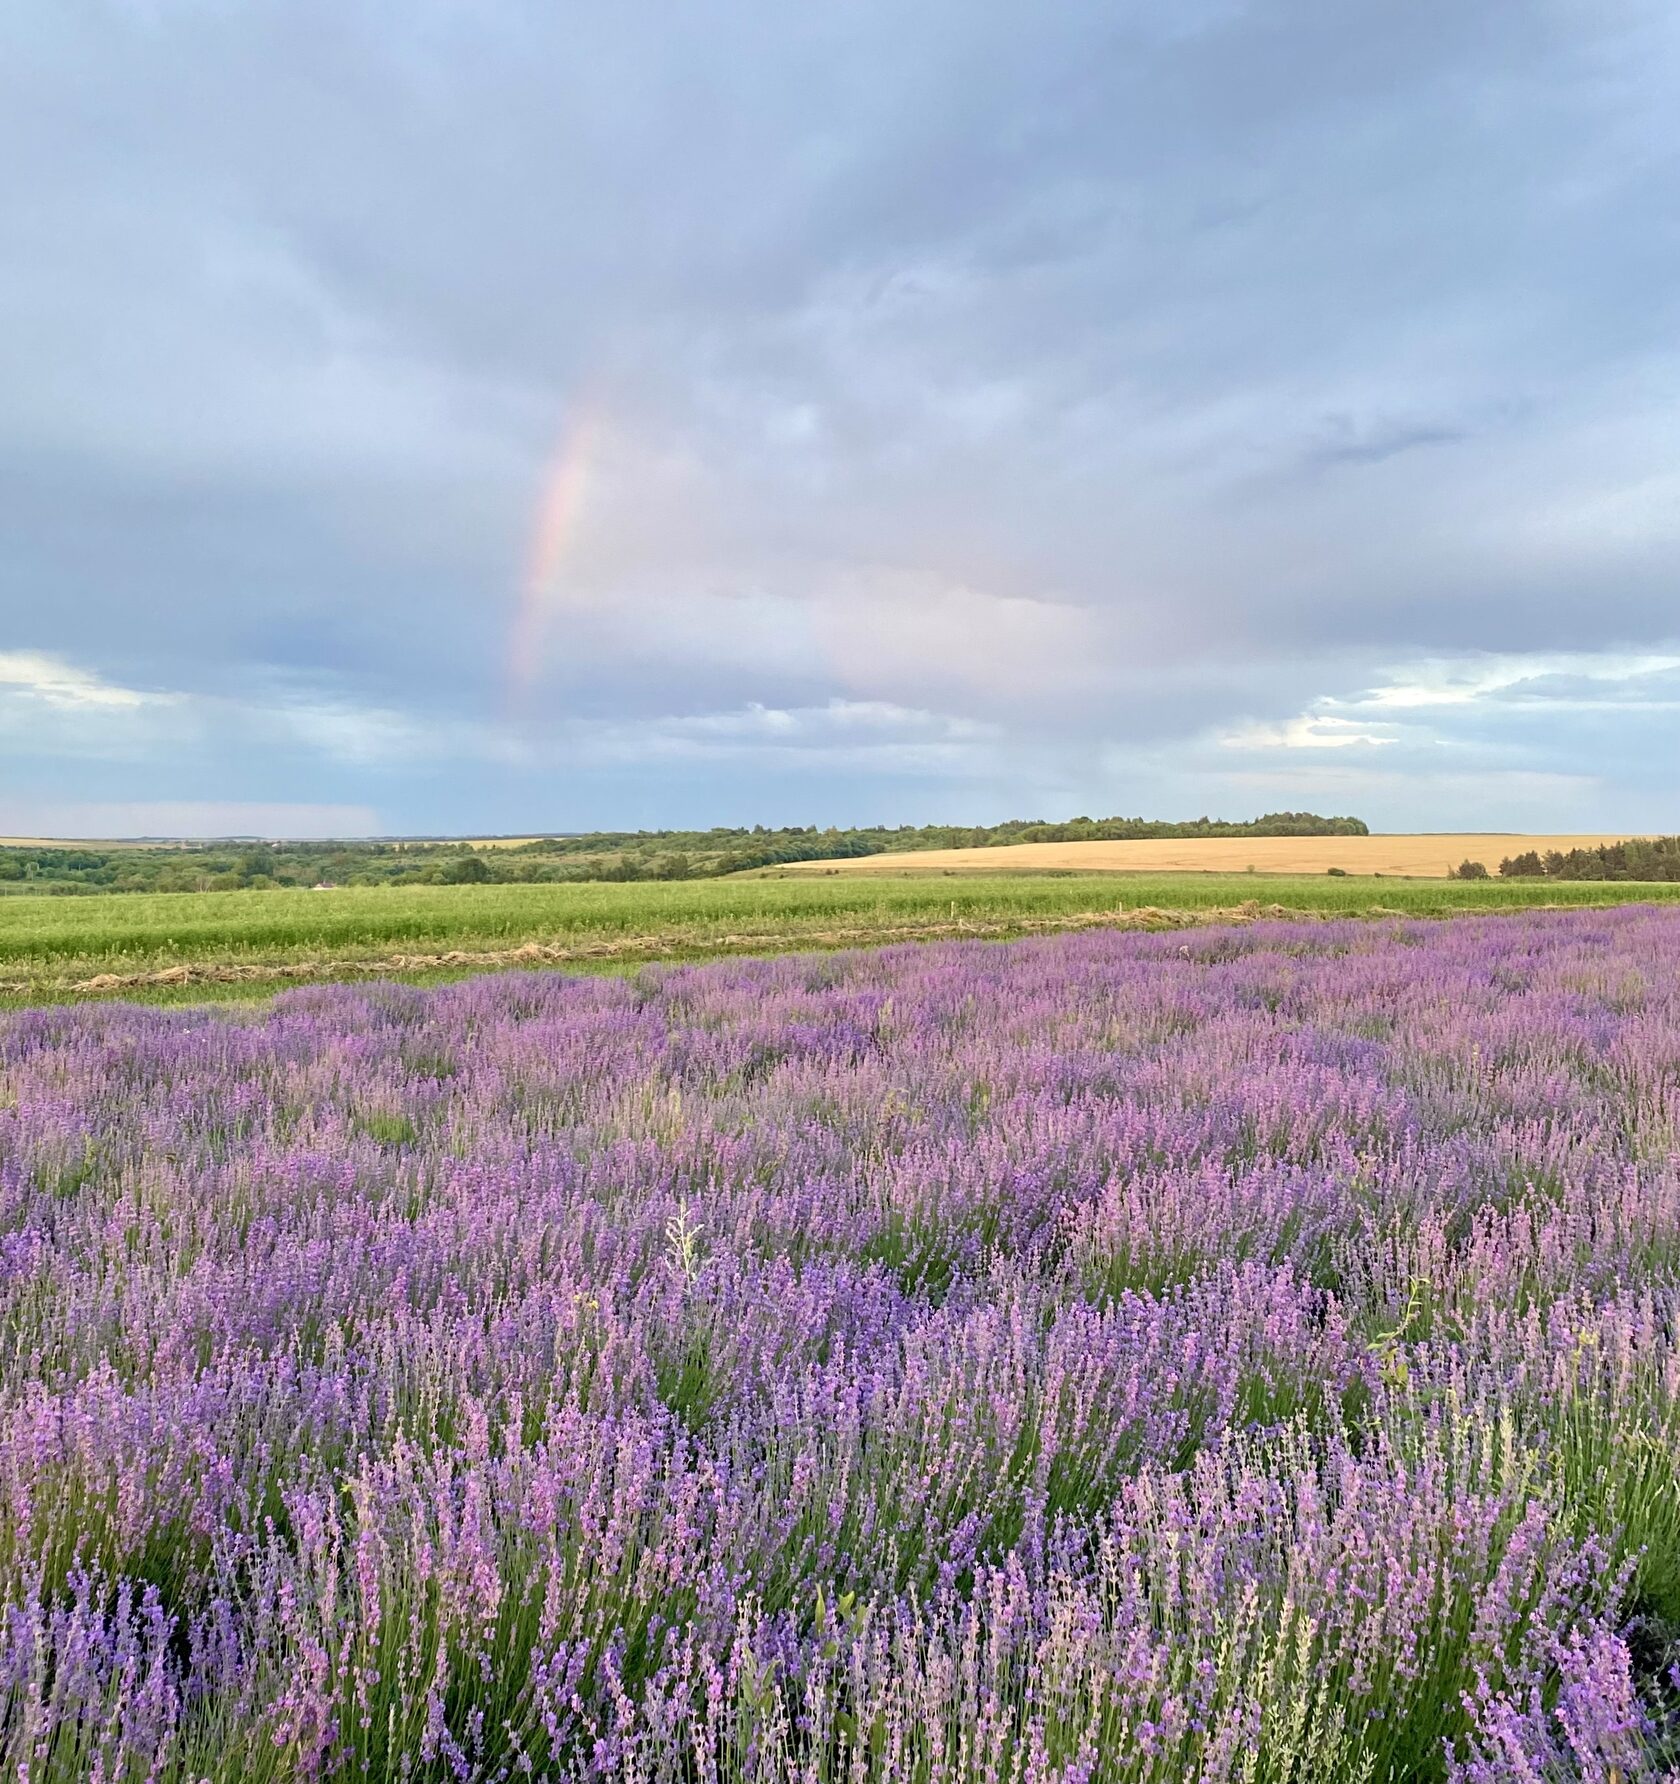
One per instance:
(83, 842)
(1414, 857)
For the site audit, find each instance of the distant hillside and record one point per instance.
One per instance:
(597, 855)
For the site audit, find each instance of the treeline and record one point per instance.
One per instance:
(723, 851)
(217, 867)
(1643, 858)
(595, 855)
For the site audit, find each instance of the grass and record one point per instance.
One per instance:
(175, 947)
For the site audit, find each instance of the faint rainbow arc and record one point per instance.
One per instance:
(553, 532)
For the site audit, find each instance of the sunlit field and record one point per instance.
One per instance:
(193, 945)
(1245, 1353)
(1420, 857)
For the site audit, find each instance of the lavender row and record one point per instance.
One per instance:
(1108, 1357)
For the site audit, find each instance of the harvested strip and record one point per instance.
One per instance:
(646, 946)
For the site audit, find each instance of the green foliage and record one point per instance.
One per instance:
(1644, 858)
(611, 855)
(1470, 870)
(232, 944)
(463, 870)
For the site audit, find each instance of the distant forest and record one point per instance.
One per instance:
(597, 855)
(1645, 858)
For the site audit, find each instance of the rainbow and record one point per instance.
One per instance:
(541, 590)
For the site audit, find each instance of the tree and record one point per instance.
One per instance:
(463, 870)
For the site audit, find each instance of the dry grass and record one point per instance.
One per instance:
(84, 842)
(1415, 857)
(649, 947)
(184, 947)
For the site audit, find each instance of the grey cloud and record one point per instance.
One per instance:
(1348, 443)
(1221, 355)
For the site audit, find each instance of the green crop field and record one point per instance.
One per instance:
(190, 946)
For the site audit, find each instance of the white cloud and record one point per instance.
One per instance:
(1465, 702)
(41, 676)
(1438, 682)
(1311, 731)
(286, 714)
(841, 733)
(47, 699)
(836, 718)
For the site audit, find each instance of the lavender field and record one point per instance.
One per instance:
(1207, 1356)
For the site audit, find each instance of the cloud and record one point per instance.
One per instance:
(1487, 736)
(1311, 731)
(1112, 382)
(1347, 441)
(49, 704)
(905, 632)
(185, 819)
(1473, 701)
(868, 735)
(1516, 679)
(38, 676)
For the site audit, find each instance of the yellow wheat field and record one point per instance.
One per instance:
(77, 842)
(1416, 857)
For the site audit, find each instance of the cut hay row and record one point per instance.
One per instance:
(650, 947)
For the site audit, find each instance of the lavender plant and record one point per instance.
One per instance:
(1095, 1360)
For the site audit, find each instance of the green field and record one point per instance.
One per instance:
(191, 946)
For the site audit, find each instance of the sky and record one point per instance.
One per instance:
(497, 417)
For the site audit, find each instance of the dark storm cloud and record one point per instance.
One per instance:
(1080, 380)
